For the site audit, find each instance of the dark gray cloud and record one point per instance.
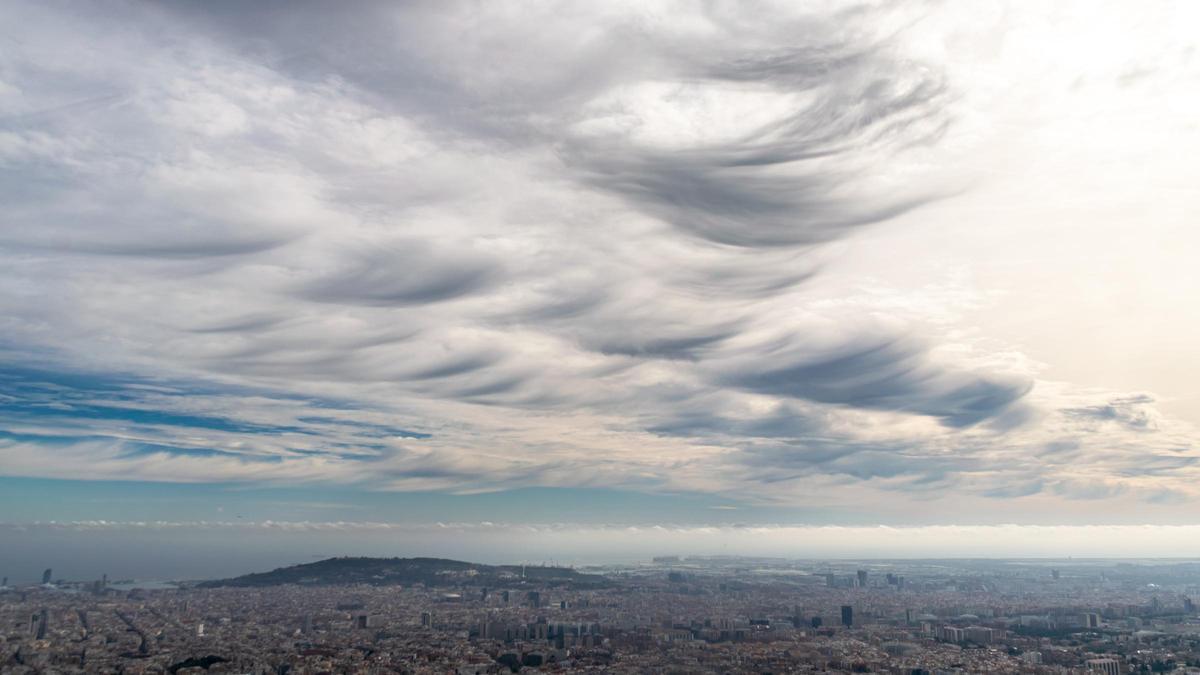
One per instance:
(792, 179)
(895, 466)
(720, 199)
(881, 373)
(1088, 489)
(1132, 411)
(396, 275)
(783, 421)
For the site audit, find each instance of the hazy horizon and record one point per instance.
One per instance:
(84, 551)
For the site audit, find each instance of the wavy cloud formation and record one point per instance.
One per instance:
(466, 248)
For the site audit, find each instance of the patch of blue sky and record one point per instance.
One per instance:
(77, 399)
(368, 429)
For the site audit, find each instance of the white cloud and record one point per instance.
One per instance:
(590, 247)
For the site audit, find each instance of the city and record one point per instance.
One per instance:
(663, 337)
(667, 615)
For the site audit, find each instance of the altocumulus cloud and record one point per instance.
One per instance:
(468, 248)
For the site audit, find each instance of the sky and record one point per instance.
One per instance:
(588, 267)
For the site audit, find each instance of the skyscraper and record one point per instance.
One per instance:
(862, 578)
(847, 616)
(43, 623)
(46, 576)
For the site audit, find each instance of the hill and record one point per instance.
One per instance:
(408, 571)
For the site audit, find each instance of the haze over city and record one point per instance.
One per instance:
(588, 283)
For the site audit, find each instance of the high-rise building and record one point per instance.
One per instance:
(43, 623)
(980, 635)
(953, 634)
(1107, 666)
(847, 616)
(426, 620)
(46, 576)
(816, 622)
(862, 578)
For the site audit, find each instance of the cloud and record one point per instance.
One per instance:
(399, 274)
(881, 373)
(462, 248)
(1132, 412)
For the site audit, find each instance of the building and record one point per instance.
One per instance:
(847, 616)
(952, 634)
(981, 635)
(862, 578)
(43, 622)
(46, 576)
(1107, 666)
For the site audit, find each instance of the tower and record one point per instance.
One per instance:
(847, 616)
(46, 576)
